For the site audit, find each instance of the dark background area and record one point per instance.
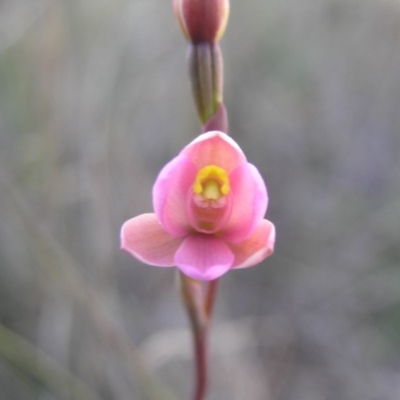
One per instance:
(95, 99)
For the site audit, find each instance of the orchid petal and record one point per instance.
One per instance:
(215, 148)
(257, 247)
(169, 195)
(249, 203)
(145, 239)
(204, 257)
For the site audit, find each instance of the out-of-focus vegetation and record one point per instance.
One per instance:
(95, 99)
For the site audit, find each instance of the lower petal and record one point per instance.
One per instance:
(145, 239)
(204, 257)
(257, 247)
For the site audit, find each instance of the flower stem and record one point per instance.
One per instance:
(200, 346)
(210, 299)
(199, 301)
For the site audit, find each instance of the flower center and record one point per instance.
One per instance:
(211, 183)
(210, 205)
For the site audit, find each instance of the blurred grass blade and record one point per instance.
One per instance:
(65, 273)
(39, 367)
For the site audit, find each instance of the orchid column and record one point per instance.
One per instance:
(209, 201)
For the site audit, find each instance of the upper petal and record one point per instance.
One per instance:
(257, 247)
(169, 195)
(145, 238)
(204, 257)
(249, 203)
(215, 148)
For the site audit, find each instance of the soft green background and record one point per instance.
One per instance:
(95, 99)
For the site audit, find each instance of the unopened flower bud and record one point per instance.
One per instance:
(202, 20)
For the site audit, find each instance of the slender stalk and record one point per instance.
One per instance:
(200, 346)
(199, 304)
(210, 298)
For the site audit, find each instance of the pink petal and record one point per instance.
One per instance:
(203, 257)
(249, 203)
(215, 148)
(257, 247)
(169, 195)
(145, 238)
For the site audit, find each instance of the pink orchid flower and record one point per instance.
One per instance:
(209, 205)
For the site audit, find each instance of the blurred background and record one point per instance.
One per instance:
(95, 99)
